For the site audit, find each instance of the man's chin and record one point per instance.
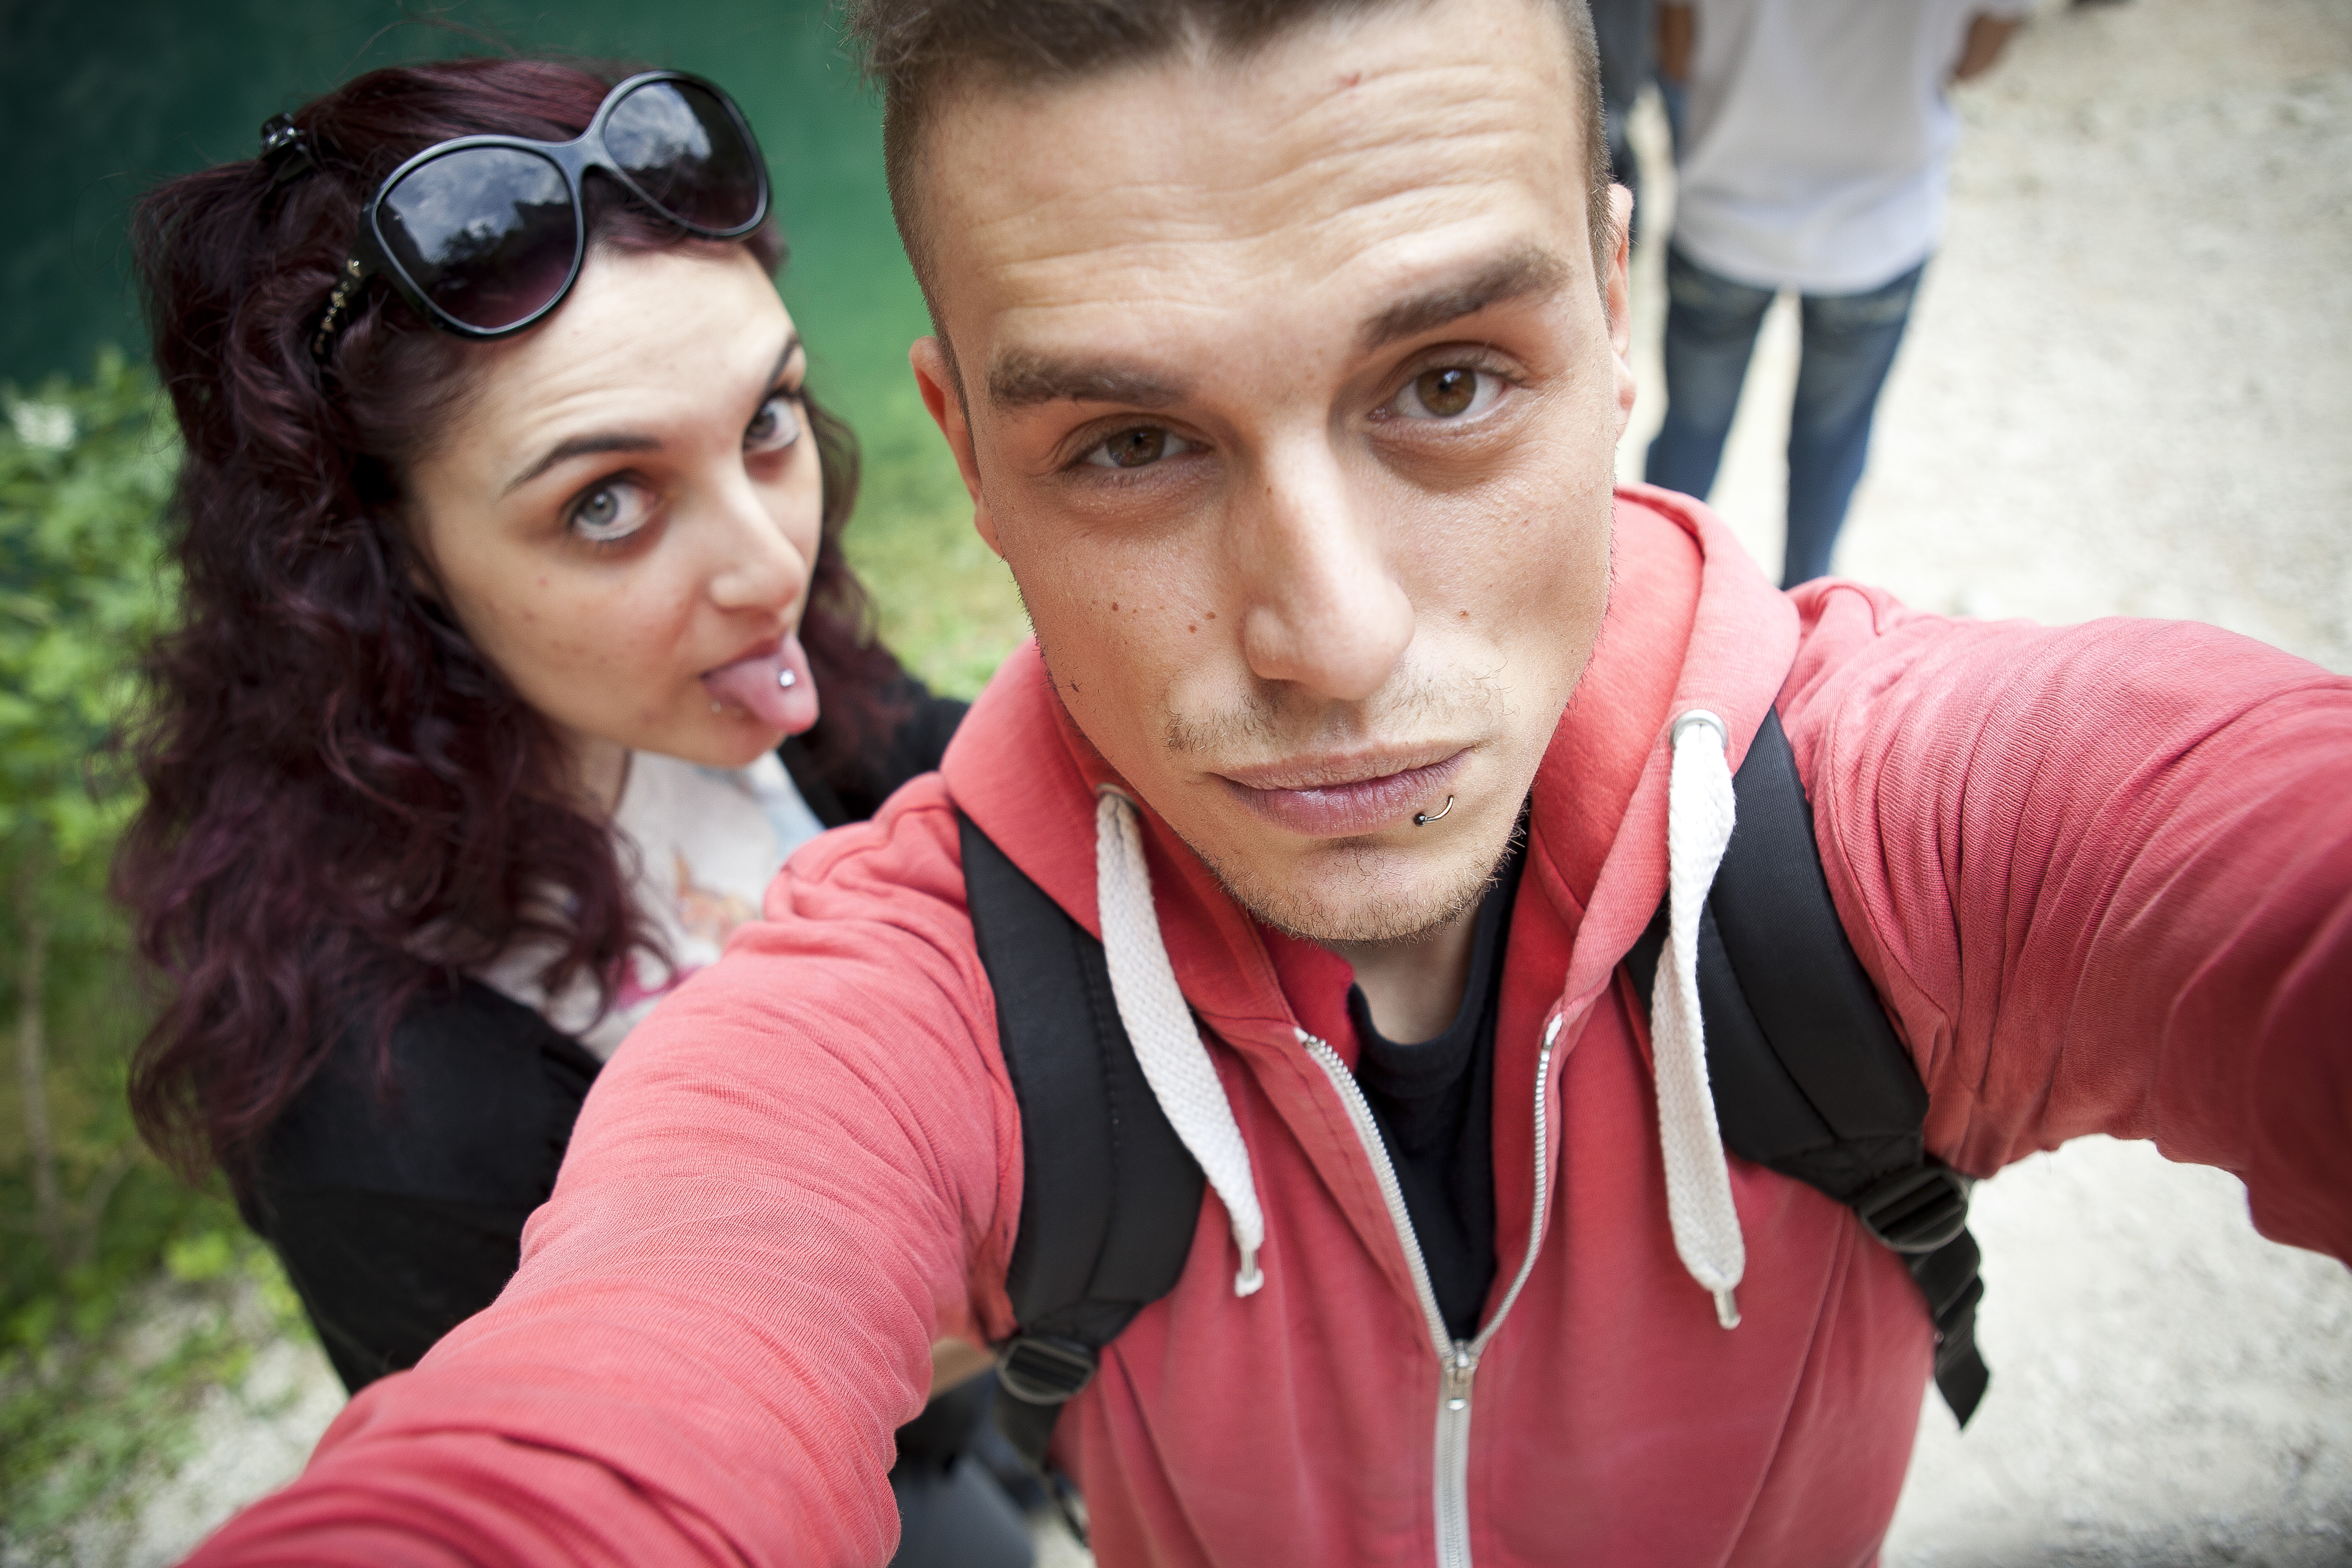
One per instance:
(1358, 892)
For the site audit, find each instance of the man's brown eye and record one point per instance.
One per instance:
(1446, 392)
(1134, 448)
(1138, 449)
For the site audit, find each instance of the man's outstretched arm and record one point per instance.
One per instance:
(777, 1195)
(2104, 875)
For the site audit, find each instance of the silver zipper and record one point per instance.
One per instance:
(1457, 1359)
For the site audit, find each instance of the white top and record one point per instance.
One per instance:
(703, 845)
(1820, 142)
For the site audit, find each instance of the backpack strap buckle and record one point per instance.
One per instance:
(1916, 1211)
(1041, 1369)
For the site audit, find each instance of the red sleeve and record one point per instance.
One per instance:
(786, 1183)
(2103, 875)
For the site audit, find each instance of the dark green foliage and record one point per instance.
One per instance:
(86, 1215)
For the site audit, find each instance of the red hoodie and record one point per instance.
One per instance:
(2100, 875)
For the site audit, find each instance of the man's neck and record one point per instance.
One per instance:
(1412, 987)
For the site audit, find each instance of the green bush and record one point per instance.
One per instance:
(87, 1217)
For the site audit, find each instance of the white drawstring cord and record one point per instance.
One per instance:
(1167, 1042)
(1700, 813)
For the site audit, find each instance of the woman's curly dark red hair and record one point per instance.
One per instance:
(346, 806)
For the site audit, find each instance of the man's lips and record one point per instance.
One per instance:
(1325, 802)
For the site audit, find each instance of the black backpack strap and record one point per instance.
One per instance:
(1109, 1195)
(1809, 1077)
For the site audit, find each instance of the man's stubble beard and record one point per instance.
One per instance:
(1376, 906)
(1376, 915)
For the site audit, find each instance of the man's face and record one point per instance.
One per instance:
(1289, 396)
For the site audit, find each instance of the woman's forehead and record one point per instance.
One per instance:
(659, 332)
(666, 349)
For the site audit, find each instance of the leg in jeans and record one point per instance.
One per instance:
(1711, 325)
(952, 1512)
(1849, 343)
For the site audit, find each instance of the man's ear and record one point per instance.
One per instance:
(942, 392)
(1617, 289)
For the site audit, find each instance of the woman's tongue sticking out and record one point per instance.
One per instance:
(773, 684)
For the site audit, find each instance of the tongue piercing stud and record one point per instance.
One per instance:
(787, 680)
(1422, 818)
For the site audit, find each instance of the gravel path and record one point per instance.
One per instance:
(2128, 390)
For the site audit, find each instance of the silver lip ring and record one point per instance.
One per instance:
(1422, 818)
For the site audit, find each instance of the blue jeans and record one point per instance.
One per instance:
(1849, 344)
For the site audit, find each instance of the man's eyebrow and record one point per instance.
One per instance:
(1517, 275)
(1021, 379)
(572, 446)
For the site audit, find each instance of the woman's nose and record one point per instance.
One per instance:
(756, 563)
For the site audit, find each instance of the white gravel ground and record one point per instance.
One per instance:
(2128, 390)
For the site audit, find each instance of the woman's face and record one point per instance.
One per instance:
(628, 503)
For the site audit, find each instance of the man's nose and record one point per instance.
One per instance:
(1323, 610)
(754, 563)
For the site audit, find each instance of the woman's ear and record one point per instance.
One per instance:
(415, 564)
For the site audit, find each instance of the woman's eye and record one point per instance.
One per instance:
(776, 427)
(1449, 392)
(611, 511)
(1139, 448)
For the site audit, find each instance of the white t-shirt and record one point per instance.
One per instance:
(1818, 142)
(704, 844)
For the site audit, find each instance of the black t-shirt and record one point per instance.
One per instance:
(1435, 1103)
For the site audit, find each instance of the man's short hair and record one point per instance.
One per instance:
(919, 51)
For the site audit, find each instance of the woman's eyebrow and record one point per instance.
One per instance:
(792, 347)
(572, 446)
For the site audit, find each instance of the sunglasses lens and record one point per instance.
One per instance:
(487, 233)
(685, 150)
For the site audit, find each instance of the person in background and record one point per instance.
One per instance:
(1625, 31)
(510, 542)
(1814, 155)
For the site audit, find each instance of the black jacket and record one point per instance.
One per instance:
(398, 1217)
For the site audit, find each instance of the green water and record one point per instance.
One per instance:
(100, 100)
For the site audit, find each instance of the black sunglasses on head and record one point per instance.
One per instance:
(485, 235)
